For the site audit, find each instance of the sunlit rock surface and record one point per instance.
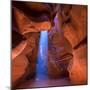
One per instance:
(24, 58)
(27, 25)
(74, 23)
(67, 44)
(75, 30)
(31, 21)
(78, 68)
(19, 66)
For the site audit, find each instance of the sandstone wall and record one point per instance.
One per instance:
(74, 24)
(67, 44)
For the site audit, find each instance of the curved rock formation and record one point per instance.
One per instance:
(74, 23)
(67, 42)
(60, 51)
(24, 58)
(27, 22)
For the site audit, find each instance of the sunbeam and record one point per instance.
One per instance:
(41, 69)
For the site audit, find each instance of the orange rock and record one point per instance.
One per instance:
(78, 67)
(27, 25)
(19, 65)
(75, 29)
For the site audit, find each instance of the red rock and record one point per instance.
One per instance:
(78, 66)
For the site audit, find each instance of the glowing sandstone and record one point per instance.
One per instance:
(75, 31)
(26, 25)
(67, 44)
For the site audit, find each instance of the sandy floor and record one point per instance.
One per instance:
(45, 83)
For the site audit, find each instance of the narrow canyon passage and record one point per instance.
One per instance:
(42, 58)
(41, 78)
(49, 44)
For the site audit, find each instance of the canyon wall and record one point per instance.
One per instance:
(67, 43)
(74, 24)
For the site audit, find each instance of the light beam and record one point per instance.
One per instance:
(41, 68)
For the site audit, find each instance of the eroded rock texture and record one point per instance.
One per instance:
(32, 17)
(74, 24)
(24, 58)
(67, 40)
(27, 21)
(78, 68)
(59, 52)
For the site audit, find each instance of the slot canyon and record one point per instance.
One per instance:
(49, 44)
